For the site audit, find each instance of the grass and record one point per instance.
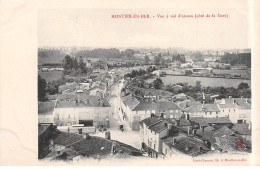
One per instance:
(205, 81)
(50, 76)
(232, 72)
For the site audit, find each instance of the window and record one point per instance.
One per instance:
(210, 113)
(165, 151)
(228, 110)
(171, 116)
(205, 113)
(154, 147)
(58, 116)
(216, 112)
(69, 116)
(234, 109)
(223, 110)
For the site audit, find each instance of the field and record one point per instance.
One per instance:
(50, 76)
(50, 60)
(205, 81)
(231, 72)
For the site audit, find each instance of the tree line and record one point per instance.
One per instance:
(237, 58)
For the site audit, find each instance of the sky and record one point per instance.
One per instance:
(88, 27)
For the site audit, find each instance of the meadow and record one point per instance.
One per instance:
(51, 75)
(205, 81)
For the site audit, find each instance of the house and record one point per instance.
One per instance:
(99, 67)
(204, 110)
(244, 130)
(177, 88)
(216, 122)
(46, 133)
(202, 71)
(223, 140)
(182, 144)
(152, 130)
(136, 110)
(46, 112)
(69, 86)
(157, 73)
(82, 109)
(237, 109)
(76, 147)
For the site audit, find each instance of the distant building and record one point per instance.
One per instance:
(157, 73)
(82, 109)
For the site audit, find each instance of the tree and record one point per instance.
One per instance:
(82, 65)
(157, 59)
(198, 86)
(75, 63)
(157, 83)
(41, 89)
(147, 59)
(243, 85)
(67, 64)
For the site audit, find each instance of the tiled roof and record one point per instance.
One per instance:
(187, 145)
(184, 122)
(163, 105)
(65, 139)
(42, 128)
(45, 108)
(243, 103)
(158, 126)
(241, 129)
(210, 120)
(194, 108)
(85, 101)
(226, 106)
(210, 108)
(100, 146)
(130, 101)
(149, 121)
(226, 143)
(208, 128)
(223, 131)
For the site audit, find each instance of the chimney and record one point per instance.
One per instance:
(186, 148)
(223, 101)
(203, 128)
(108, 135)
(169, 126)
(173, 141)
(188, 129)
(86, 136)
(113, 148)
(187, 116)
(162, 114)
(246, 100)
(78, 98)
(194, 131)
(165, 125)
(152, 115)
(229, 97)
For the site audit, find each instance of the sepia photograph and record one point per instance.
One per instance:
(144, 84)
